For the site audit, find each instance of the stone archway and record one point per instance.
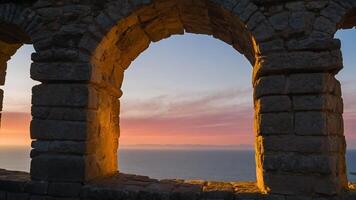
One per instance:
(124, 30)
(288, 75)
(299, 138)
(117, 38)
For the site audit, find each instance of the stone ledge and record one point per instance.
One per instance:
(128, 186)
(13, 181)
(135, 187)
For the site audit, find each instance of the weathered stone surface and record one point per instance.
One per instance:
(268, 104)
(60, 72)
(274, 123)
(70, 147)
(301, 61)
(302, 144)
(58, 130)
(270, 85)
(318, 103)
(36, 187)
(293, 162)
(318, 123)
(58, 168)
(314, 83)
(64, 189)
(71, 95)
(84, 47)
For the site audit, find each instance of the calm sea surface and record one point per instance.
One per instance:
(225, 165)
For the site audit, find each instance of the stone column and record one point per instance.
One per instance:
(300, 146)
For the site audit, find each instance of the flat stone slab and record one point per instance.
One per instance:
(13, 181)
(136, 187)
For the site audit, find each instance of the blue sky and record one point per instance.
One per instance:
(189, 89)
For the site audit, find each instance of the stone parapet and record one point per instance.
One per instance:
(18, 186)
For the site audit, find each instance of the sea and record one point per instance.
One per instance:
(207, 164)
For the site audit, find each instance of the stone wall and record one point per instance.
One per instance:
(84, 47)
(18, 186)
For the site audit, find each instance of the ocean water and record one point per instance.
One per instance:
(223, 165)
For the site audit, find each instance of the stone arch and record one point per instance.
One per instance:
(248, 21)
(349, 19)
(126, 28)
(18, 26)
(299, 142)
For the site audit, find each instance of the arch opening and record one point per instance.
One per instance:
(345, 33)
(15, 139)
(15, 88)
(190, 109)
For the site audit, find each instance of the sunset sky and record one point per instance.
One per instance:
(189, 89)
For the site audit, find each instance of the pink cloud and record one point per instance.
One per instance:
(217, 118)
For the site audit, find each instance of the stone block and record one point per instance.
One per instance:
(17, 196)
(218, 190)
(311, 123)
(314, 45)
(299, 163)
(56, 167)
(263, 31)
(153, 23)
(60, 113)
(2, 195)
(279, 21)
(59, 130)
(36, 187)
(71, 95)
(65, 147)
(313, 83)
(172, 22)
(274, 123)
(245, 11)
(270, 46)
(268, 104)
(270, 85)
(302, 144)
(60, 71)
(38, 197)
(324, 25)
(334, 12)
(289, 184)
(318, 103)
(64, 189)
(299, 197)
(301, 61)
(14, 182)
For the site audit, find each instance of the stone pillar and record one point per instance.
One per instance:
(300, 146)
(74, 129)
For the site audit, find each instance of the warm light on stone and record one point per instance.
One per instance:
(83, 49)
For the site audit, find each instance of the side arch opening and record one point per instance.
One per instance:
(346, 33)
(18, 25)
